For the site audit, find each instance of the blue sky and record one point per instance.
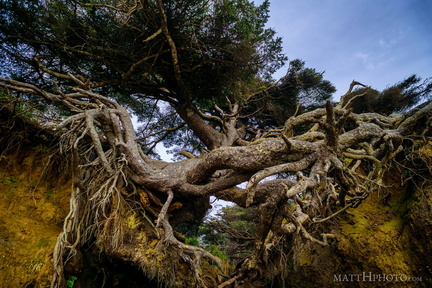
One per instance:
(376, 42)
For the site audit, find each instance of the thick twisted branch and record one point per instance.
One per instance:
(319, 158)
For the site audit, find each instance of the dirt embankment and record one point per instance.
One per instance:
(385, 242)
(34, 199)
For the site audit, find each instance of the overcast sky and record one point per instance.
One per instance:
(376, 42)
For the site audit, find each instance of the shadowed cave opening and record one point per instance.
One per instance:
(97, 270)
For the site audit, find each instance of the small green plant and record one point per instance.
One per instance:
(71, 281)
(11, 179)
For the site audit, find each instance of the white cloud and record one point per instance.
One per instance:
(393, 38)
(374, 61)
(386, 43)
(367, 59)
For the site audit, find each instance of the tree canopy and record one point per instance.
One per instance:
(192, 55)
(395, 98)
(197, 74)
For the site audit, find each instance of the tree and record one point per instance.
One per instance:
(396, 98)
(185, 53)
(200, 65)
(300, 90)
(232, 230)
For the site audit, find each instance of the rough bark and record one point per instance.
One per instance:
(115, 180)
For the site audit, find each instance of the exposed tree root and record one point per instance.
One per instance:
(332, 167)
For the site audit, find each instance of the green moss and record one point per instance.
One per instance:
(357, 224)
(42, 242)
(405, 202)
(392, 226)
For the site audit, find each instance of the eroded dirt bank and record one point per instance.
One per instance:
(34, 199)
(385, 242)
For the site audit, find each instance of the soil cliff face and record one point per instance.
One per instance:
(389, 234)
(34, 200)
(385, 242)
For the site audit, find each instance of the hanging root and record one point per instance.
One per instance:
(95, 198)
(68, 240)
(190, 254)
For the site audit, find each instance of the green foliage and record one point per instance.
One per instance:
(71, 281)
(216, 251)
(219, 42)
(238, 216)
(227, 233)
(395, 98)
(210, 235)
(304, 86)
(223, 47)
(192, 241)
(4, 97)
(300, 86)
